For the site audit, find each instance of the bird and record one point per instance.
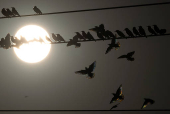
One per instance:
(14, 11)
(156, 28)
(100, 36)
(84, 35)
(101, 28)
(2, 42)
(23, 39)
(115, 106)
(7, 41)
(142, 31)
(80, 36)
(112, 45)
(5, 13)
(120, 33)
(17, 42)
(128, 56)
(129, 32)
(41, 40)
(48, 39)
(135, 31)
(118, 96)
(9, 12)
(151, 30)
(147, 102)
(88, 71)
(95, 29)
(74, 42)
(110, 34)
(37, 10)
(90, 37)
(162, 31)
(60, 38)
(55, 37)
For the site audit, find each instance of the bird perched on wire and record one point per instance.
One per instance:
(115, 106)
(48, 39)
(41, 40)
(5, 13)
(118, 95)
(156, 28)
(88, 71)
(90, 37)
(129, 32)
(112, 45)
(128, 56)
(110, 34)
(84, 35)
(147, 102)
(23, 39)
(120, 33)
(135, 31)
(10, 12)
(80, 36)
(162, 31)
(7, 41)
(2, 42)
(14, 11)
(74, 42)
(142, 31)
(60, 38)
(151, 30)
(37, 10)
(16, 41)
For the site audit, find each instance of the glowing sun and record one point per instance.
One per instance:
(33, 51)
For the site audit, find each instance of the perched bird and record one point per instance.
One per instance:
(120, 33)
(115, 106)
(151, 30)
(2, 42)
(128, 56)
(7, 41)
(118, 96)
(88, 71)
(9, 12)
(23, 39)
(142, 31)
(112, 45)
(90, 37)
(5, 13)
(162, 31)
(101, 28)
(80, 36)
(14, 11)
(37, 10)
(135, 31)
(74, 42)
(129, 32)
(156, 29)
(17, 42)
(48, 39)
(100, 36)
(110, 34)
(147, 102)
(84, 35)
(41, 40)
(60, 38)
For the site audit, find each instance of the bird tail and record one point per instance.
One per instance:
(78, 45)
(91, 75)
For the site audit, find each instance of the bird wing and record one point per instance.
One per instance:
(92, 66)
(122, 56)
(82, 72)
(113, 99)
(144, 104)
(130, 53)
(119, 90)
(109, 49)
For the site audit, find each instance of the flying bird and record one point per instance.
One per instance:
(5, 13)
(151, 30)
(156, 28)
(9, 12)
(129, 32)
(37, 10)
(135, 31)
(74, 42)
(88, 71)
(128, 56)
(120, 33)
(147, 102)
(115, 106)
(14, 11)
(118, 96)
(142, 31)
(48, 39)
(80, 36)
(112, 45)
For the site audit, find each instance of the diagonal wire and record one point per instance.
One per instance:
(86, 10)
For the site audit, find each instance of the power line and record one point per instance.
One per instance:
(97, 9)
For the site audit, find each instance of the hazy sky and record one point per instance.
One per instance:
(52, 84)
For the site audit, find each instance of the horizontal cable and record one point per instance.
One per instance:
(86, 10)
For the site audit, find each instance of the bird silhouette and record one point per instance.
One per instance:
(80, 36)
(74, 42)
(99, 34)
(23, 39)
(120, 33)
(147, 102)
(14, 11)
(41, 40)
(5, 13)
(135, 31)
(2, 42)
(110, 34)
(96, 29)
(7, 41)
(60, 37)
(16, 41)
(112, 45)
(128, 56)
(142, 31)
(101, 28)
(10, 12)
(115, 106)
(118, 96)
(37, 10)
(151, 30)
(88, 71)
(84, 35)
(90, 37)
(48, 39)
(156, 28)
(162, 31)
(129, 32)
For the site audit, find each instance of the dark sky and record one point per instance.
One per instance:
(52, 84)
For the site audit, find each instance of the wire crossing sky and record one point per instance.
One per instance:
(97, 9)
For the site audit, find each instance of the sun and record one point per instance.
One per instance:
(34, 51)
